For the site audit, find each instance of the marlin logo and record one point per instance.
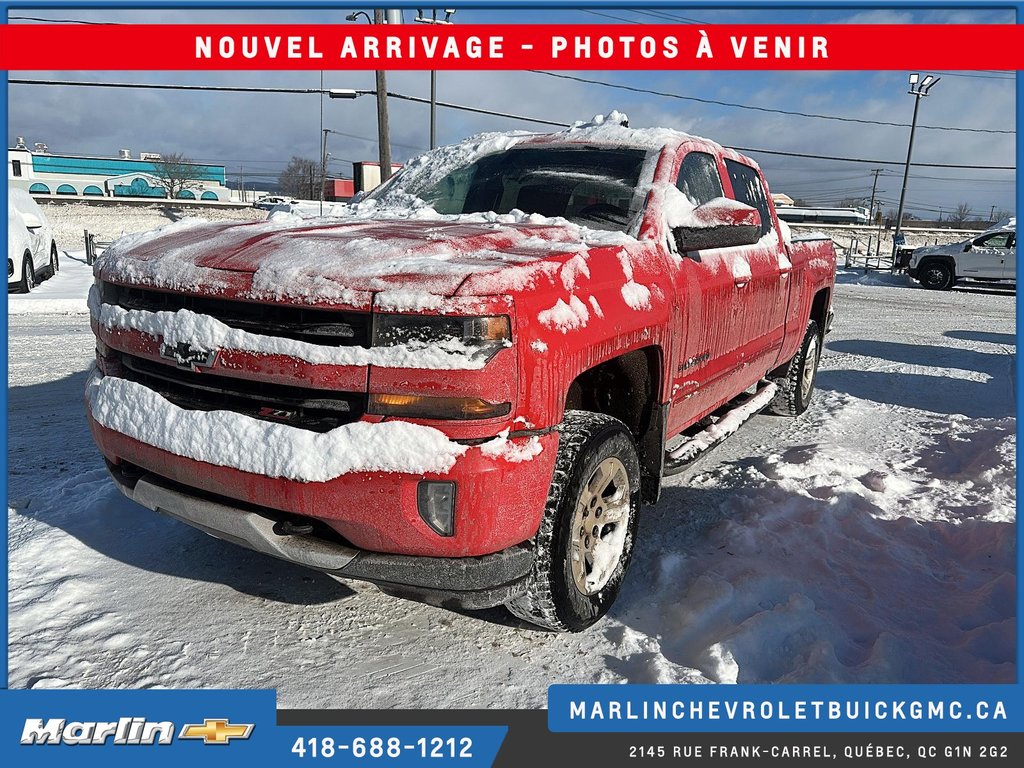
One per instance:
(130, 731)
(127, 730)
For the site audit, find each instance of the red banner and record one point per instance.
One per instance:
(527, 46)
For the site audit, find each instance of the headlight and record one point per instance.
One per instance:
(482, 336)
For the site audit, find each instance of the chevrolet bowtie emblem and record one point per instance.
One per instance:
(216, 731)
(187, 356)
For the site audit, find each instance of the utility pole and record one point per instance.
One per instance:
(874, 185)
(383, 126)
(992, 214)
(323, 146)
(323, 168)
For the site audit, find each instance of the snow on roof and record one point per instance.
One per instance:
(604, 130)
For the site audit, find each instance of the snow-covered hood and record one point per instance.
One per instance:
(948, 248)
(332, 261)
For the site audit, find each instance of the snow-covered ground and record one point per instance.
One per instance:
(108, 222)
(870, 540)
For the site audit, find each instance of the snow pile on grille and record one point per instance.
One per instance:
(209, 334)
(228, 439)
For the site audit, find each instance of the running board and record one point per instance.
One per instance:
(682, 451)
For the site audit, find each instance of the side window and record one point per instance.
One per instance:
(16, 167)
(746, 184)
(698, 178)
(995, 240)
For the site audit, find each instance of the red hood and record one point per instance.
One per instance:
(316, 260)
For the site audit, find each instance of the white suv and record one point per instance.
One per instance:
(990, 256)
(31, 249)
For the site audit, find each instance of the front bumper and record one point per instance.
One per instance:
(450, 582)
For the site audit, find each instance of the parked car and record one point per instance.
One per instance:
(464, 390)
(267, 202)
(31, 248)
(990, 257)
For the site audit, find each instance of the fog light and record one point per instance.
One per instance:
(436, 502)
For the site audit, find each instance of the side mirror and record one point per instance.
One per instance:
(718, 223)
(967, 246)
(31, 220)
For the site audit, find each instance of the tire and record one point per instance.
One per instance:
(795, 379)
(54, 266)
(936, 276)
(562, 594)
(28, 274)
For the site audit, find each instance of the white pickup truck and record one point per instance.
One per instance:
(990, 256)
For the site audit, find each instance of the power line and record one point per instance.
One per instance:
(982, 77)
(877, 162)
(610, 16)
(476, 110)
(64, 21)
(773, 110)
(268, 89)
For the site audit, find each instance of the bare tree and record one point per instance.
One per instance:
(177, 173)
(960, 215)
(300, 178)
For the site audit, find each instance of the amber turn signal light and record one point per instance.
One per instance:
(418, 407)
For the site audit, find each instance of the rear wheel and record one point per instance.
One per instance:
(585, 539)
(28, 274)
(795, 379)
(54, 267)
(936, 275)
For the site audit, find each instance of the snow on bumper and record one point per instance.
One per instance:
(360, 478)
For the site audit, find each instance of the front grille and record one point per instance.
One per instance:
(314, 409)
(317, 326)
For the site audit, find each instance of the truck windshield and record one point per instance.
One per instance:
(594, 187)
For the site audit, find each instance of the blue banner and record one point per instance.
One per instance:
(789, 708)
(214, 728)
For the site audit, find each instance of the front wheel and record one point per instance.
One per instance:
(54, 267)
(586, 536)
(795, 379)
(936, 275)
(28, 275)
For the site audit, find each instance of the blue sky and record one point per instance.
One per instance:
(257, 134)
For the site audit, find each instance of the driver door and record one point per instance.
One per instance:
(705, 338)
(987, 257)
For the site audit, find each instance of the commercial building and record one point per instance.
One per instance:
(45, 174)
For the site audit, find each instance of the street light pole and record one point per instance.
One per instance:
(919, 88)
(421, 19)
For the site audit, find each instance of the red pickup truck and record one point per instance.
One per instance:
(462, 387)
